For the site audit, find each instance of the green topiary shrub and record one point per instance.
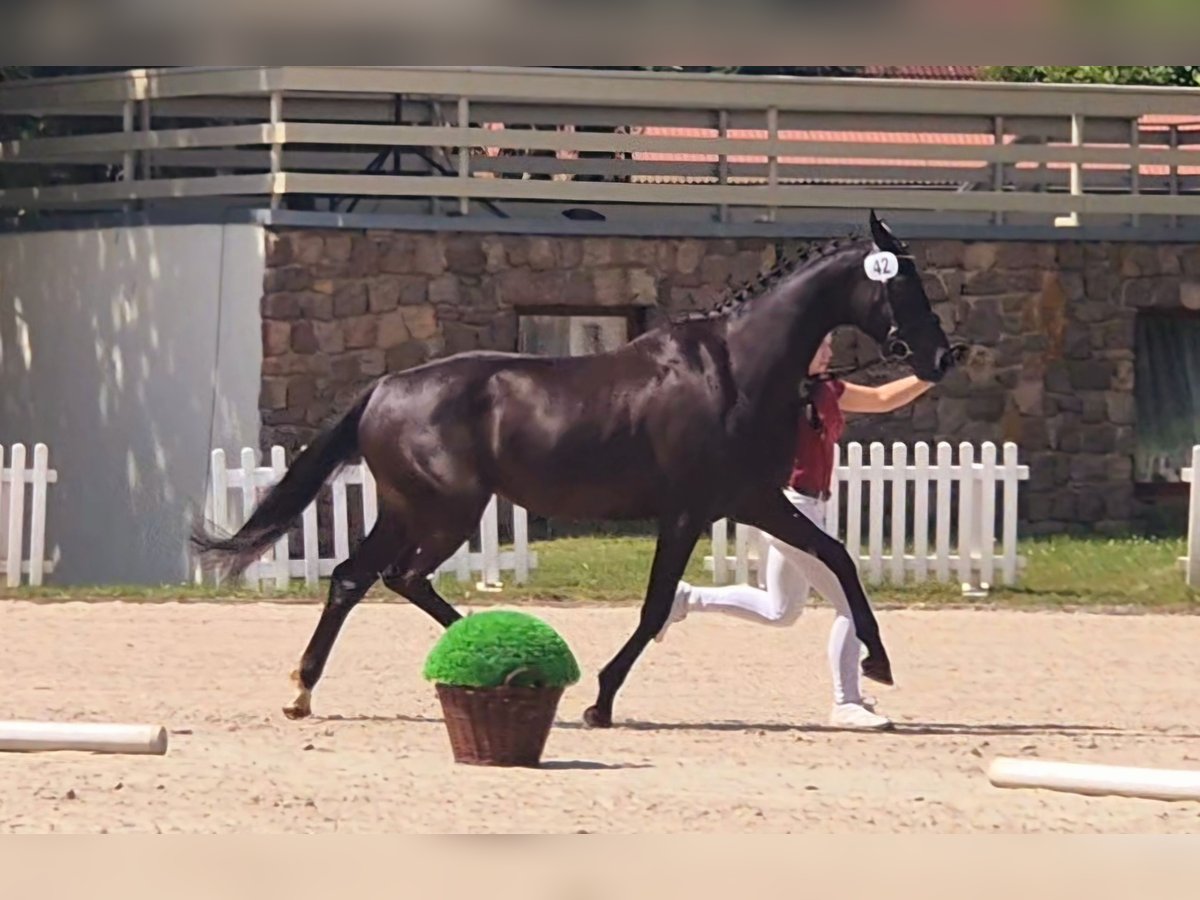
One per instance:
(483, 650)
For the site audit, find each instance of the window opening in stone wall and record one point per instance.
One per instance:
(1166, 395)
(571, 335)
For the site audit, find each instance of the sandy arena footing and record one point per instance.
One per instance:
(720, 728)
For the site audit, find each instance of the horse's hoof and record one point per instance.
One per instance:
(878, 669)
(593, 718)
(301, 708)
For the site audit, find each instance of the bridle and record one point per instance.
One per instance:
(896, 347)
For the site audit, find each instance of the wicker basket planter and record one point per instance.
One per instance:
(504, 726)
(499, 676)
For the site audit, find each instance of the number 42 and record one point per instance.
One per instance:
(881, 266)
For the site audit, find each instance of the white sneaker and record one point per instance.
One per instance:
(856, 717)
(678, 609)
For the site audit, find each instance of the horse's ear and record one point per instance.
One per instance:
(882, 235)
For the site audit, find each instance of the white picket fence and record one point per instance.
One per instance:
(16, 557)
(1191, 563)
(956, 500)
(975, 558)
(481, 556)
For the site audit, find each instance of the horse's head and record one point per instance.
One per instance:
(893, 309)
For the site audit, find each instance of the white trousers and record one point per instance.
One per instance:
(790, 574)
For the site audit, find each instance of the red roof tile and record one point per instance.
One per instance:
(1149, 123)
(1160, 121)
(859, 137)
(881, 137)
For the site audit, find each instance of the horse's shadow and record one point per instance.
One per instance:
(580, 765)
(560, 765)
(901, 729)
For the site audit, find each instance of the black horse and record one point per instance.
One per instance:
(691, 422)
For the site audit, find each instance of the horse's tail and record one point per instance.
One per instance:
(288, 498)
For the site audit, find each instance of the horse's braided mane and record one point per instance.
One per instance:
(735, 298)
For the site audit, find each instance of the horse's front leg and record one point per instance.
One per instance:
(676, 540)
(771, 512)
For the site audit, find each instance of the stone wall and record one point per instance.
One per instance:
(1054, 323)
(341, 307)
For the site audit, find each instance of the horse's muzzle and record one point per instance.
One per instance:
(955, 356)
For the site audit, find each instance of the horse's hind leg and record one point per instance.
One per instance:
(350, 582)
(409, 575)
(418, 591)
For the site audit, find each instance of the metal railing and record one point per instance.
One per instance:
(497, 142)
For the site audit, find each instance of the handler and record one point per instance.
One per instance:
(790, 573)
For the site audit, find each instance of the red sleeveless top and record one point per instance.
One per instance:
(812, 467)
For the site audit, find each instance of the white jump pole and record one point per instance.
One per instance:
(96, 737)
(1096, 780)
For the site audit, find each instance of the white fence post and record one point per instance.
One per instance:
(14, 561)
(720, 547)
(741, 541)
(921, 512)
(945, 480)
(899, 511)
(976, 554)
(37, 514)
(16, 514)
(986, 498)
(1191, 562)
(280, 564)
(249, 486)
(966, 511)
(520, 544)
(277, 567)
(490, 544)
(341, 521)
(875, 514)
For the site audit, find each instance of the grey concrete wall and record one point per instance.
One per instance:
(112, 343)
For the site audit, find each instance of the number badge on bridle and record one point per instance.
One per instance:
(882, 266)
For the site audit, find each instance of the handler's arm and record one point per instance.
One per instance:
(885, 398)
